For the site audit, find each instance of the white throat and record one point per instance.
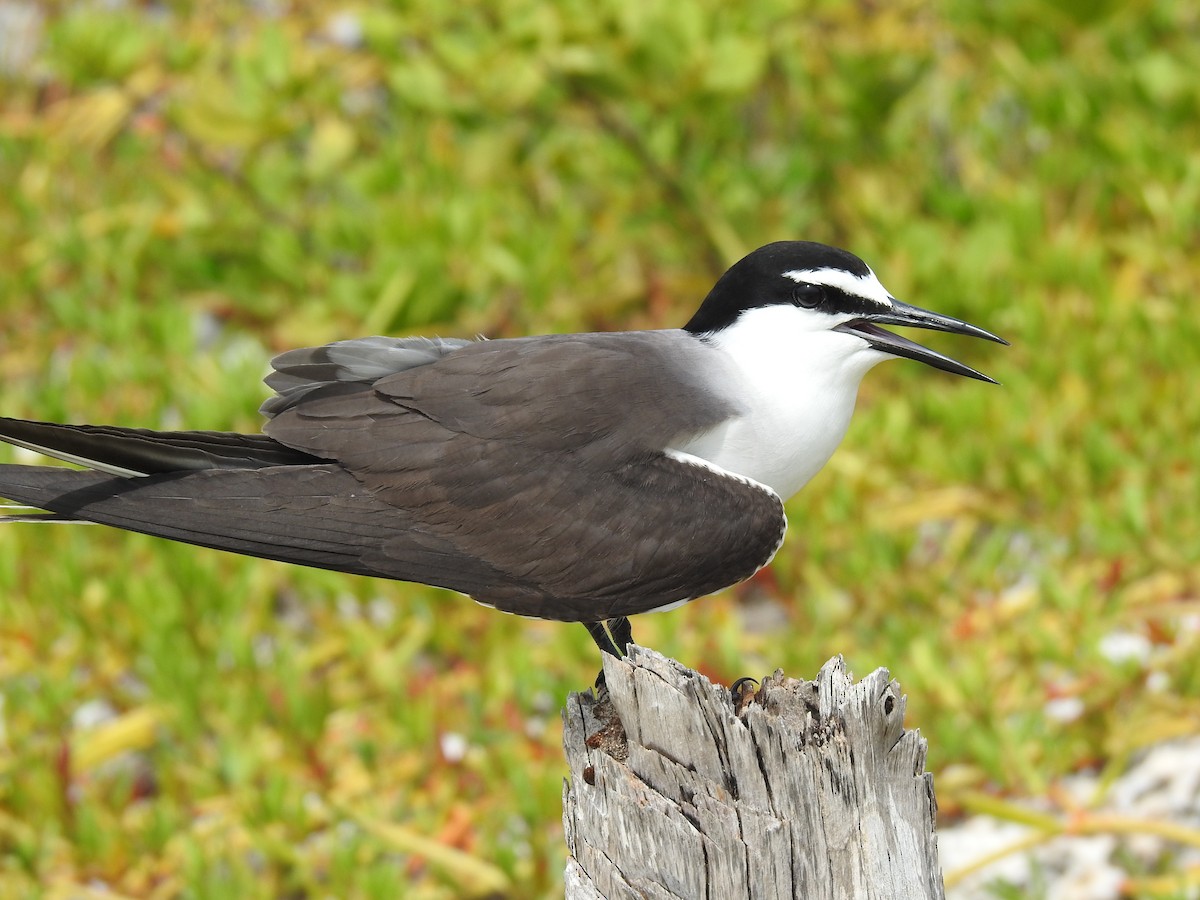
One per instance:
(796, 381)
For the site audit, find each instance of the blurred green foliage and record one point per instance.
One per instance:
(189, 187)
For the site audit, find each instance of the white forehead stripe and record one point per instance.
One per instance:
(867, 286)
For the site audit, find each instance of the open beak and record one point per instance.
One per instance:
(868, 329)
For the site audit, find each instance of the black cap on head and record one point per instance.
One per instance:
(758, 280)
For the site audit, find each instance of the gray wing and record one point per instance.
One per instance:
(529, 474)
(311, 515)
(543, 458)
(344, 367)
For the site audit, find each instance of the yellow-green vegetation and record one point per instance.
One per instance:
(186, 188)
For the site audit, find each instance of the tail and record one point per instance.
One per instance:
(190, 486)
(239, 492)
(295, 514)
(138, 451)
(245, 494)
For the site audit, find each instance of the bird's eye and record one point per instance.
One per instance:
(808, 295)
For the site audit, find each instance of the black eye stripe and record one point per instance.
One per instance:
(832, 300)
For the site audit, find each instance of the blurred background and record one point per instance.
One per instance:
(189, 188)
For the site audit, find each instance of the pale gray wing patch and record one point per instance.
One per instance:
(346, 366)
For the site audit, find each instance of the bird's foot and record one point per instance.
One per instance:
(612, 637)
(741, 695)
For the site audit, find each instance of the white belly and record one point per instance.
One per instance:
(797, 393)
(782, 449)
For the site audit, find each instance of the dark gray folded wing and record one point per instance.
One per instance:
(544, 458)
(529, 474)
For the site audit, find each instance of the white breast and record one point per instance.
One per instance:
(797, 381)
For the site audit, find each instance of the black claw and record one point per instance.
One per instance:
(741, 698)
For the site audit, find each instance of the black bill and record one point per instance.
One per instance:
(868, 329)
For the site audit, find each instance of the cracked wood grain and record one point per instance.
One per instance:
(813, 790)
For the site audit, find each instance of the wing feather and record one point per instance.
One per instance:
(141, 451)
(545, 458)
(530, 474)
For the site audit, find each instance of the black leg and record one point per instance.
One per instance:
(603, 639)
(622, 633)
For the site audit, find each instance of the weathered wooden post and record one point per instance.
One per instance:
(812, 790)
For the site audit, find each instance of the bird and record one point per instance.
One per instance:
(575, 477)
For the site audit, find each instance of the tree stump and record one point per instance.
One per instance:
(812, 789)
